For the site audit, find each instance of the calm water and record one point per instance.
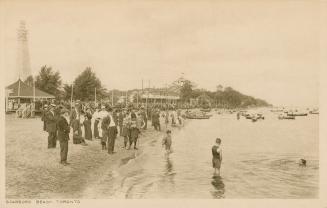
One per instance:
(259, 161)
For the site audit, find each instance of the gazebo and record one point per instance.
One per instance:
(20, 94)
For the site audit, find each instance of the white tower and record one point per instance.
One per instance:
(23, 57)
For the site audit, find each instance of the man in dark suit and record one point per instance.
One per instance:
(63, 135)
(112, 130)
(51, 125)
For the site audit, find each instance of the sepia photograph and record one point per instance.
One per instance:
(161, 100)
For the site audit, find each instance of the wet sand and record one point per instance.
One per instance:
(33, 171)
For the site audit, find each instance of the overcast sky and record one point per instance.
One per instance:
(268, 49)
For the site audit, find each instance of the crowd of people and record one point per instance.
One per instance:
(102, 122)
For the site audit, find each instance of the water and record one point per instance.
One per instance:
(259, 161)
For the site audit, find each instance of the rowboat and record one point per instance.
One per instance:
(197, 116)
(281, 117)
(297, 114)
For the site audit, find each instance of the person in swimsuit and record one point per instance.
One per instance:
(216, 156)
(166, 142)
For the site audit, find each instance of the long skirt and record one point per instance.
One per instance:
(96, 130)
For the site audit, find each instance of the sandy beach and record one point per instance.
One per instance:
(33, 171)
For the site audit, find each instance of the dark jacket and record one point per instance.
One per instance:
(63, 129)
(43, 114)
(51, 122)
(105, 123)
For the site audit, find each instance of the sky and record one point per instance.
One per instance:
(267, 49)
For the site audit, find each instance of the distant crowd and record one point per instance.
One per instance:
(102, 122)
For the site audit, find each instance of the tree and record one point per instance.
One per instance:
(29, 81)
(67, 91)
(219, 88)
(186, 91)
(85, 85)
(49, 81)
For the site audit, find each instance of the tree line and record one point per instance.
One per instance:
(223, 97)
(87, 82)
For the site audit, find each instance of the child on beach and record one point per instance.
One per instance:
(166, 141)
(216, 156)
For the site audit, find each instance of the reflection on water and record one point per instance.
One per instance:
(218, 183)
(260, 161)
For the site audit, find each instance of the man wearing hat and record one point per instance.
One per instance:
(103, 130)
(112, 130)
(51, 126)
(63, 135)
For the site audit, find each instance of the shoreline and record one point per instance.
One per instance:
(33, 171)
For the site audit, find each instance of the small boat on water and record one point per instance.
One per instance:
(281, 117)
(314, 111)
(276, 110)
(296, 114)
(206, 110)
(197, 116)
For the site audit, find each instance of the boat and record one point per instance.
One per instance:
(248, 116)
(197, 116)
(281, 117)
(260, 116)
(297, 114)
(314, 112)
(205, 110)
(276, 110)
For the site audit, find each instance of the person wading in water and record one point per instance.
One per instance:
(217, 156)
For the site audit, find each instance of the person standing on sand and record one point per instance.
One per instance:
(217, 156)
(126, 128)
(134, 134)
(96, 119)
(51, 126)
(63, 135)
(87, 126)
(120, 121)
(145, 118)
(156, 120)
(103, 128)
(167, 142)
(112, 132)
